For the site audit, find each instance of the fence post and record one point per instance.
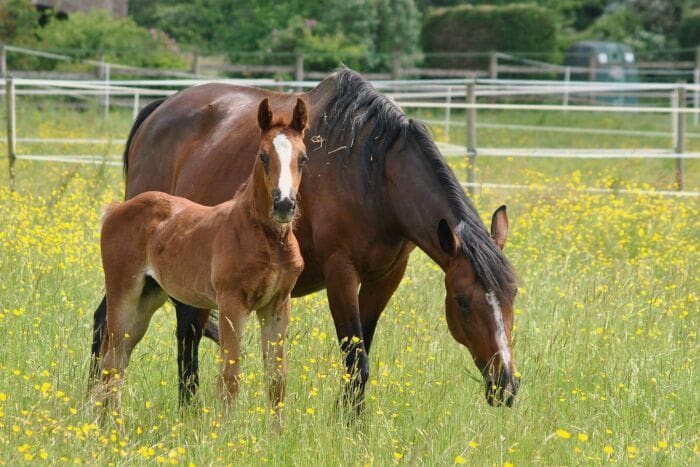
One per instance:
(471, 138)
(3, 61)
(195, 63)
(396, 66)
(493, 64)
(106, 102)
(137, 104)
(696, 81)
(592, 73)
(592, 67)
(299, 69)
(448, 101)
(101, 66)
(11, 129)
(673, 102)
(567, 82)
(299, 66)
(679, 146)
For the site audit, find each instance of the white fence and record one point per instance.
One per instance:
(292, 64)
(445, 95)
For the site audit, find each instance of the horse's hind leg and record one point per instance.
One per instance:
(191, 323)
(98, 331)
(128, 316)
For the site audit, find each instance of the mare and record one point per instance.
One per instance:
(238, 256)
(376, 187)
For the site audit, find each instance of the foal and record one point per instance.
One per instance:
(238, 256)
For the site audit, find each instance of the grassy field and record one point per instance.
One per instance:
(605, 337)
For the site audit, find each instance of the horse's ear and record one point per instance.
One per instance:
(499, 226)
(265, 115)
(448, 240)
(300, 117)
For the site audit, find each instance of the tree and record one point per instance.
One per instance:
(361, 33)
(399, 30)
(18, 21)
(84, 35)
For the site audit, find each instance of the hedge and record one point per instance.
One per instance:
(508, 28)
(689, 34)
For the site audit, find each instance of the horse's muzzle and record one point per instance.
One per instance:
(283, 210)
(501, 390)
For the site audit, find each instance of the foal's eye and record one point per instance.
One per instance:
(462, 302)
(265, 159)
(303, 159)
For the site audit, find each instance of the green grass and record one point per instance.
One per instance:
(605, 339)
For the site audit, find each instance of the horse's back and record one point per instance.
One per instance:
(135, 217)
(200, 143)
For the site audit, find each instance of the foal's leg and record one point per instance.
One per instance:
(191, 323)
(232, 317)
(128, 316)
(274, 321)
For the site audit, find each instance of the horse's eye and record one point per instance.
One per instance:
(462, 302)
(303, 160)
(265, 159)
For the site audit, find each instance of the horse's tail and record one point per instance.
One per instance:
(143, 115)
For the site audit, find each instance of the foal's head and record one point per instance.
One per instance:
(282, 156)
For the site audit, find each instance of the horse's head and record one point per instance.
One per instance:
(282, 157)
(481, 319)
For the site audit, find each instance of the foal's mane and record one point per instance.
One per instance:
(357, 106)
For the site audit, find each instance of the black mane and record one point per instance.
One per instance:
(357, 106)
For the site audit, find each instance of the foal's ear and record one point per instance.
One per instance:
(300, 117)
(448, 240)
(499, 226)
(265, 115)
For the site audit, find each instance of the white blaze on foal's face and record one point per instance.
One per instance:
(501, 339)
(284, 148)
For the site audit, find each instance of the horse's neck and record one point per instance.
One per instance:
(418, 201)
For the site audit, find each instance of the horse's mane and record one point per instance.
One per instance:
(357, 106)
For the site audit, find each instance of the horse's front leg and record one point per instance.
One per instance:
(274, 321)
(342, 282)
(232, 316)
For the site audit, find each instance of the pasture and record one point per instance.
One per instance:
(605, 334)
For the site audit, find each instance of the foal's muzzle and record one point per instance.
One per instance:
(283, 208)
(501, 388)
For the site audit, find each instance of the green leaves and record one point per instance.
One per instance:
(122, 40)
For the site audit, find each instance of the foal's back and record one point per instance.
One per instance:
(161, 237)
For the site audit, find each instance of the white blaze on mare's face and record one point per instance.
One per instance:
(500, 329)
(284, 151)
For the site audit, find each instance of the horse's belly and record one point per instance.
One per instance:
(185, 291)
